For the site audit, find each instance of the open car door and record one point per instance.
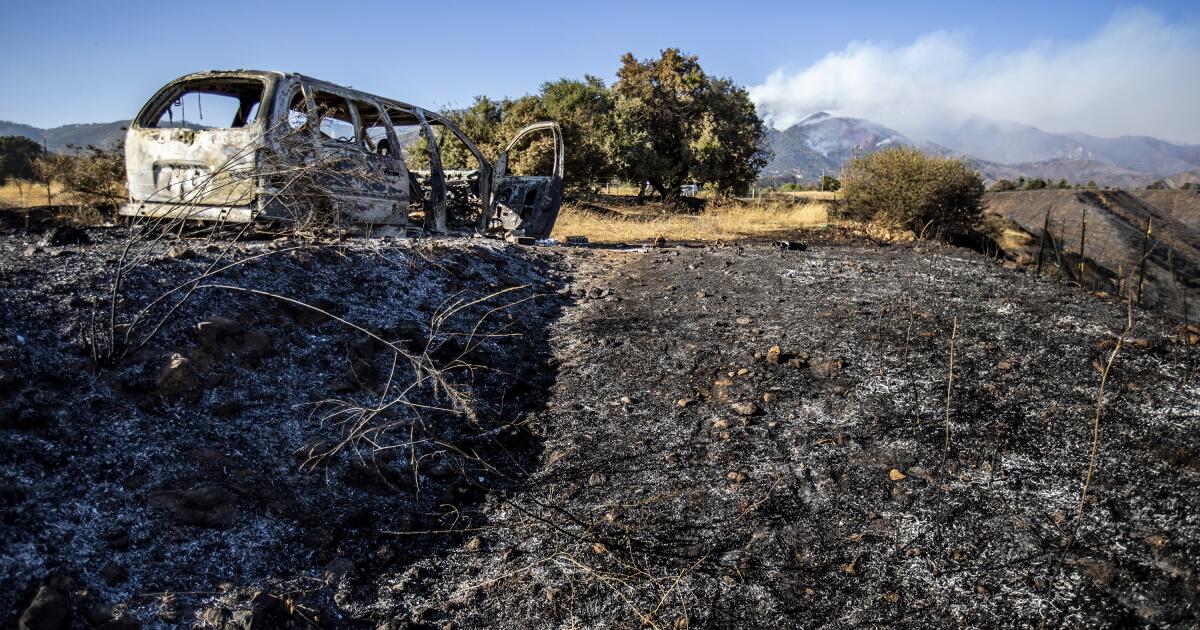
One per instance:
(526, 205)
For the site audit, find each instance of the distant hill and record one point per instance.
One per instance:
(57, 138)
(1115, 232)
(823, 143)
(1074, 171)
(1006, 142)
(1142, 153)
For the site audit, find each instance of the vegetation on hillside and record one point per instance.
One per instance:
(1037, 183)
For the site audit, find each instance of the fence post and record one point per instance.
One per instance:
(1145, 254)
(1082, 238)
(1042, 243)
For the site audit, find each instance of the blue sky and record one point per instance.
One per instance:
(65, 62)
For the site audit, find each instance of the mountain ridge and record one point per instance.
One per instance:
(58, 138)
(822, 143)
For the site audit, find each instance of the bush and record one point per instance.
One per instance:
(1003, 185)
(829, 184)
(903, 187)
(90, 177)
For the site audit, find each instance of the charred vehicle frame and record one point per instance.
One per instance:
(273, 124)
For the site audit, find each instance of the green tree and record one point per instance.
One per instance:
(17, 157)
(903, 187)
(480, 123)
(674, 124)
(829, 183)
(1003, 185)
(584, 111)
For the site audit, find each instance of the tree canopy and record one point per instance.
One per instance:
(664, 121)
(674, 124)
(17, 157)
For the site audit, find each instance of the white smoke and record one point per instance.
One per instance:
(1137, 75)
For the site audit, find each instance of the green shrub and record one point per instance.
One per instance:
(904, 188)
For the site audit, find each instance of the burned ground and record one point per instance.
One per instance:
(698, 475)
(185, 472)
(685, 437)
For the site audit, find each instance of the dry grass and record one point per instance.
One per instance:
(812, 195)
(25, 194)
(625, 224)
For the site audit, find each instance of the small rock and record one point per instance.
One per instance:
(98, 613)
(736, 476)
(254, 345)
(337, 569)
(177, 376)
(214, 329)
(702, 294)
(49, 610)
(597, 479)
(181, 252)
(721, 424)
(204, 507)
(853, 568)
(65, 235)
(774, 354)
(685, 402)
(475, 544)
(744, 408)
(768, 398)
(896, 475)
(113, 574)
(827, 369)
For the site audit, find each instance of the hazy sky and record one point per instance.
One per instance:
(64, 62)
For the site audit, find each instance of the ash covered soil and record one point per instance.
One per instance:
(684, 437)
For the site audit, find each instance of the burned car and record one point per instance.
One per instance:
(240, 146)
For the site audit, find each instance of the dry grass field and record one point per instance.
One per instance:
(22, 194)
(614, 223)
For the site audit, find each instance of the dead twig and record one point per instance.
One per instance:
(1087, 480)
(949, 393)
